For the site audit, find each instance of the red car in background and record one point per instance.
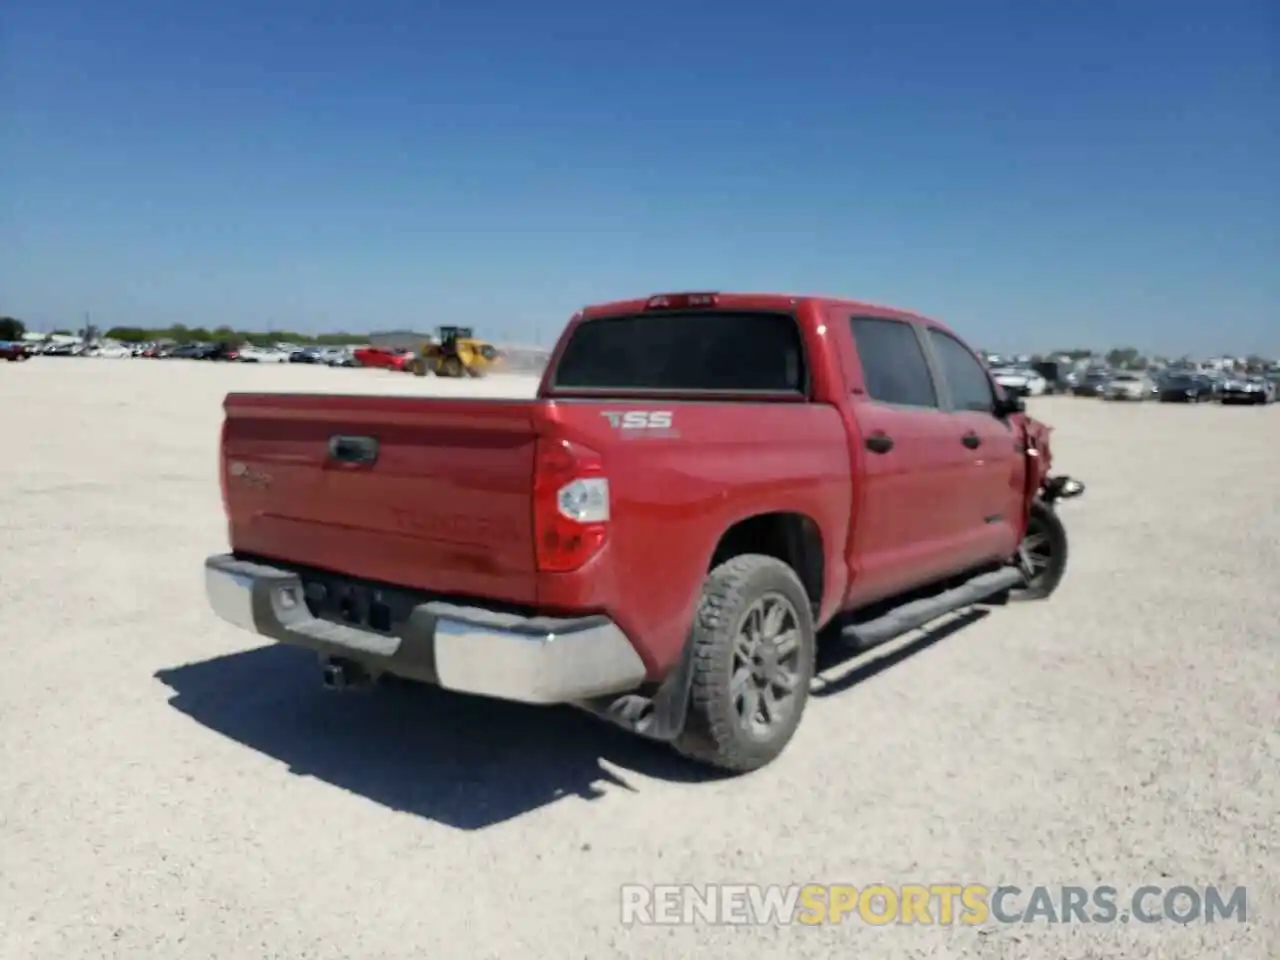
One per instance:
(383, 357)
(14, 351)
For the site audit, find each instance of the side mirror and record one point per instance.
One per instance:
(1009, 404)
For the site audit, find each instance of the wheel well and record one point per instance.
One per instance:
(792, 538)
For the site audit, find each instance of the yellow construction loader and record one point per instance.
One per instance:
(455, 352)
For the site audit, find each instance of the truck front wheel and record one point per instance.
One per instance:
(753, 660)
(1044, 547)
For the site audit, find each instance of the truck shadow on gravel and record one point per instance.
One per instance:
(465, 762)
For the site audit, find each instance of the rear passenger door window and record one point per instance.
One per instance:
(894, 368)
(967, 380)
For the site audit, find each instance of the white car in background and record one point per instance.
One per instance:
(1246, 389)
(108, 351)
(251, 354)
(1129, 386)
(1020, 381)
(337, 357)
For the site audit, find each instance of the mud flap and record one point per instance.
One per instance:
(660, 716)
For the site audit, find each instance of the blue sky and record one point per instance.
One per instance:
(1036, 174)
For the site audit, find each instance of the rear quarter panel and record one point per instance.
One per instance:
(675, 492)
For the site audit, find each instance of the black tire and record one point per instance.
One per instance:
(715, 733)
(1044, 527)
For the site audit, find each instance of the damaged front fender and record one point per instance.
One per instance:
(1040, 482)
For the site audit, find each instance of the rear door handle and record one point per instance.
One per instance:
(971, 440)
(353, 449)
(879, 442)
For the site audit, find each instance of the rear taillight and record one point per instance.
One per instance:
(222, 466)
(570, 505)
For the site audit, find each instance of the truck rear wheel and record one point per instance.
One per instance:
(1045, 548)
(753, 660)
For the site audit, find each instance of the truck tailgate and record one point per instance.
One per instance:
(428, 493)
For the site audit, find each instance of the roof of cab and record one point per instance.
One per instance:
(755, 301)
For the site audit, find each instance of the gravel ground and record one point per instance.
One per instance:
(173, 788)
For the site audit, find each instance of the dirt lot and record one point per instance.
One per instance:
(170, 787)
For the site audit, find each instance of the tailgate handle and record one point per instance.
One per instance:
(353, 449)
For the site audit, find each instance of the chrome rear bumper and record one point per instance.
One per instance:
(472, 650)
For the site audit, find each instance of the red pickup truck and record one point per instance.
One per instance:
(703, 485)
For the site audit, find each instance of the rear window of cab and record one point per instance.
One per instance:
(730, 351)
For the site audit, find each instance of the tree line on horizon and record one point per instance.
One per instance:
(13, 329)
(259, 338)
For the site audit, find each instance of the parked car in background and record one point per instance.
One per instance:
(306, 355)
(223, 351)
(1055, 375)
(383, 357)
(1128, 386)
(341, 357)
(251, 354)
(1091, 383)
(1186, 388)
(1019, 381)
(335, 357)
(14, 351)
(108, 351)
(1247, 390)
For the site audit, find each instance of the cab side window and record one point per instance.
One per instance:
(966, 378)
(894, 368)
